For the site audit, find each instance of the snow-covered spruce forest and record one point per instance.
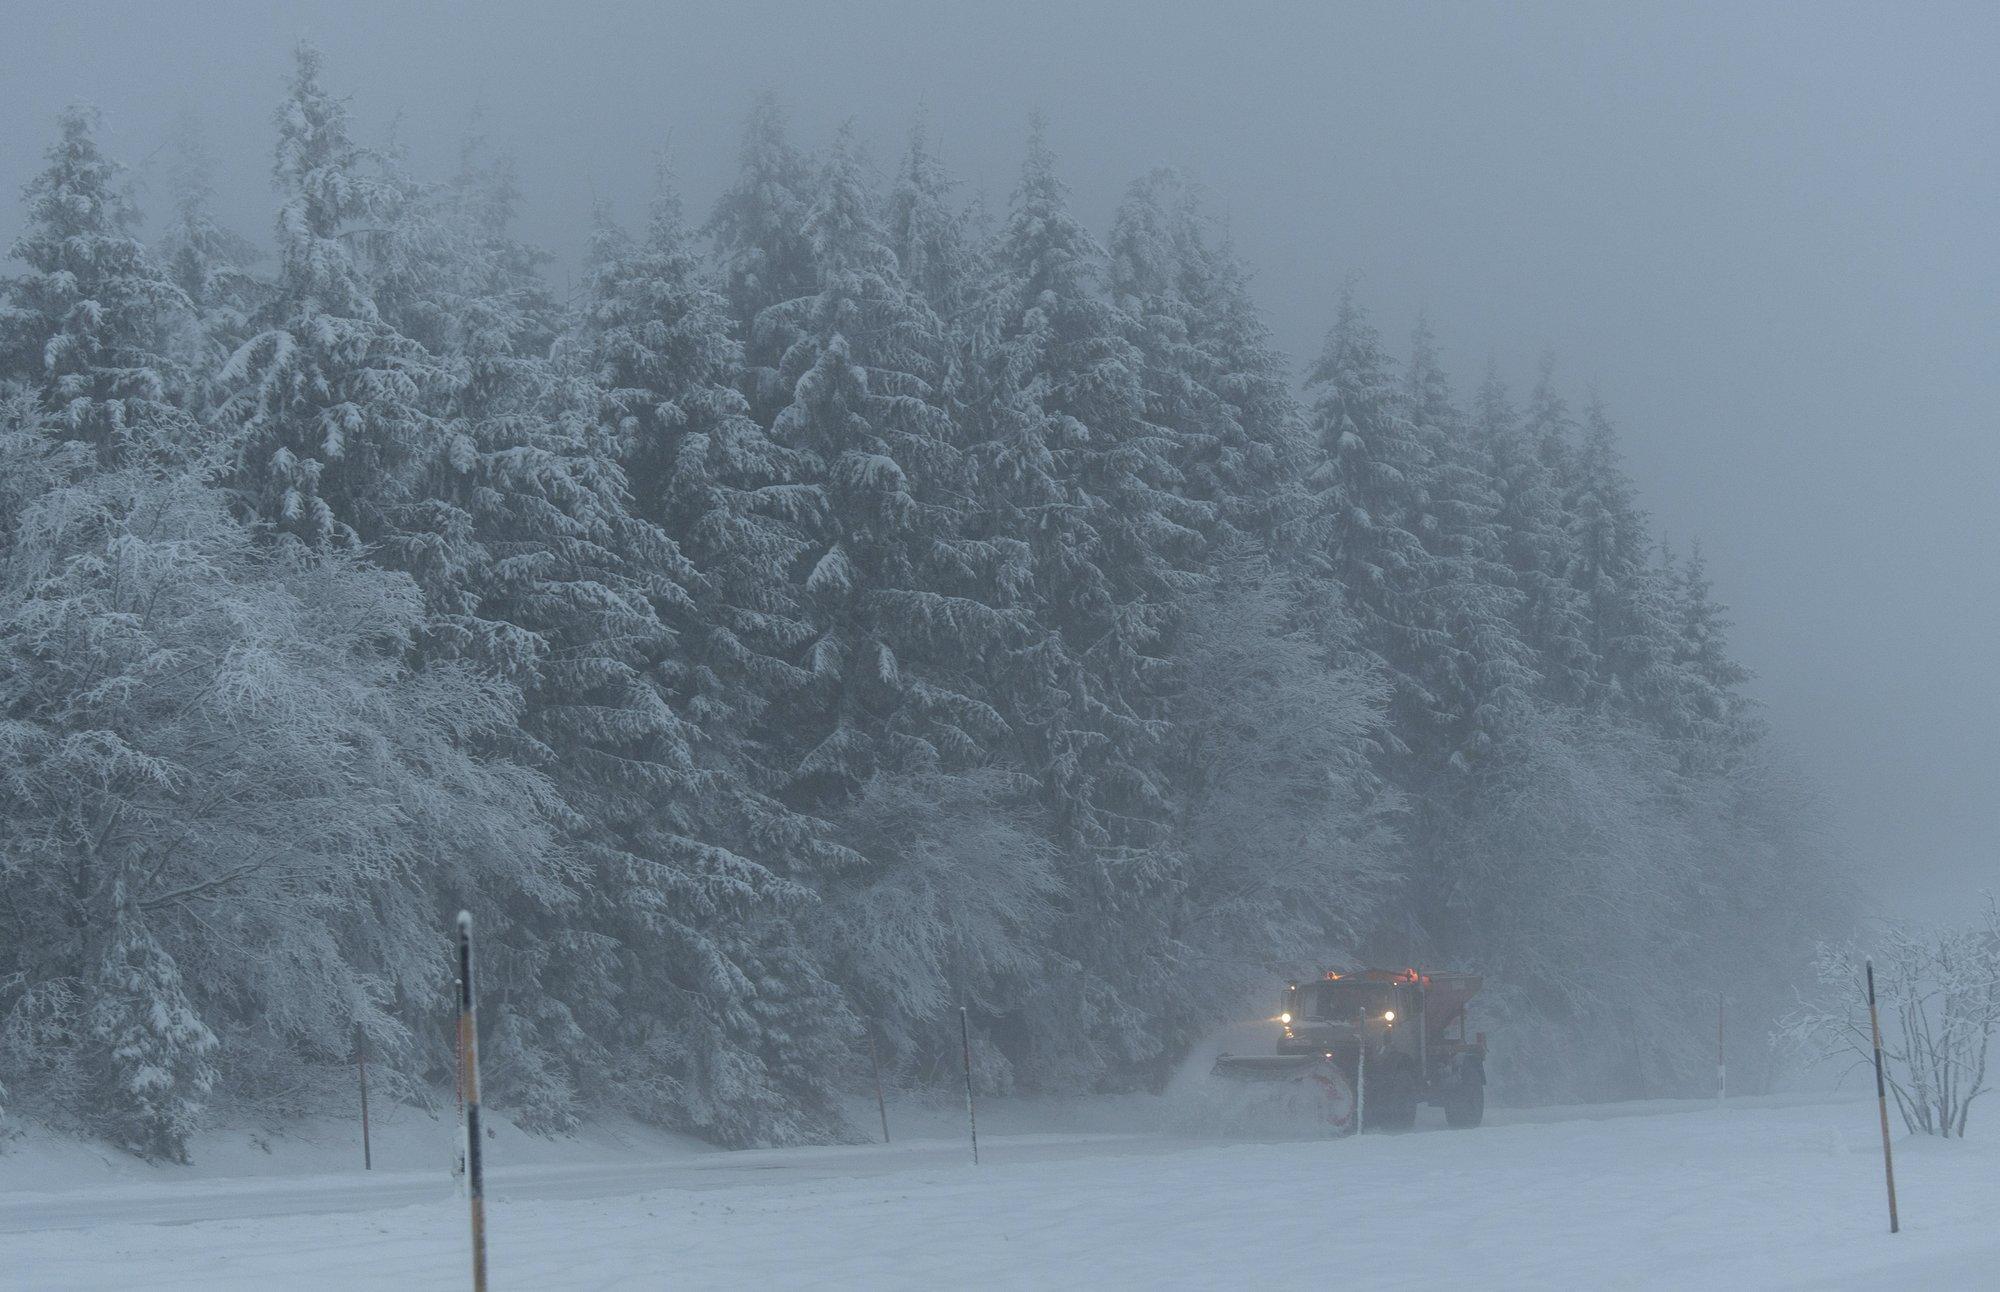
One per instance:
(845, 605)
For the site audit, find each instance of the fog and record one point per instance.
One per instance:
(1764, 232)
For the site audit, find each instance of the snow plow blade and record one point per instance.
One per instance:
(1266, 1067)
(1286, 1094)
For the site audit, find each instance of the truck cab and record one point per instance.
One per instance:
(1390, 1032)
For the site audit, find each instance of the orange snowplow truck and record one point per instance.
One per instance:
(1395, 1038)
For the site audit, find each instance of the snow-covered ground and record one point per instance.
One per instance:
(1756, 1194)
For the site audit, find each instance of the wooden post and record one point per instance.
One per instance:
(1882, 1100)
(468, 1044)
(458, 1097)
(1360, 1083)
(1721, 1068)
(361, 1067)
(881, 1105)
(1423, 1036)
(965, 1048)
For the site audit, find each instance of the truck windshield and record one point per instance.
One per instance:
(1344, 1002)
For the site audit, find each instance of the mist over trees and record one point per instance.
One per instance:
(840, 609)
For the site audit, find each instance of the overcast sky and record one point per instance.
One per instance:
(1769, 233)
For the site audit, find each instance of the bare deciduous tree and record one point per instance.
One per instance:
(1939, 990)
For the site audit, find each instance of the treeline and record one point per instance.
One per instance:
(837, 611)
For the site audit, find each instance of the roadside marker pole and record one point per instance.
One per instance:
(1721, 1068)
(1882, 1099)
(1360, 1084)
(361, 1066)
(458, 1099)
(965, 1048)
(468, 1044)
(881, 1105)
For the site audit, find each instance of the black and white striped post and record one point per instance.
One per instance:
(468, 1048)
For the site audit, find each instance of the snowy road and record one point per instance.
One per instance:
(28, 1212)
(1668, 1196)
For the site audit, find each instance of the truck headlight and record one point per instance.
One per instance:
(1388, 1015)
(1286, 1019)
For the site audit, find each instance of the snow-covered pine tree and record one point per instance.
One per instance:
(1212, 381)
(1629, 591)
(580, 600)
(911, 615)
(451, 462)
(89, 326)
(1626, 594)
(759, 230)
(659, 342)
(1258, 698)
(1473, 666)
(548, 639)
(1071, 467)
(901, 601)
(1078, 473)
(931, 236)
(445, 270)
(1479, 669)
(1712, 723)
(1286, 844)
(1536, 538)
(149, 1048)
(209, 263)
(741, 1054)
(1569, 846)
(953, 905)
(334, 438)
(1254, 472)
(519, 538)
(444, 454)
(1548, 424)
(1371, 511)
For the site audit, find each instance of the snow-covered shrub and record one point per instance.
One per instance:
(148, 1049)
(1938, 996)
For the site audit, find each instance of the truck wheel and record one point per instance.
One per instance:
(1465, 1106)
(1395, 1109)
